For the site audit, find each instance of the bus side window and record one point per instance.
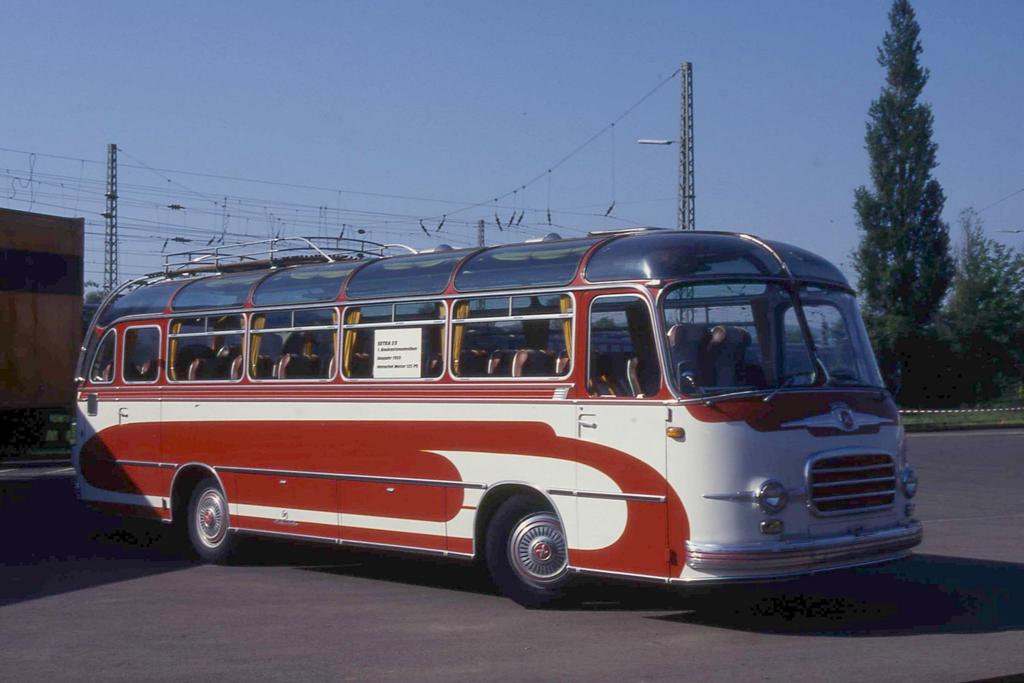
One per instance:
(141, 354)
(623, 355)
(205, 349)
(293, 344)
(102, 371)
(409, 335)
(517, 336)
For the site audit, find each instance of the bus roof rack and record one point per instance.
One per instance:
(272, 252)
(622, 231)
(550, 237)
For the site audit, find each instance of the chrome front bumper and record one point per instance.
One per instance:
(805, 555)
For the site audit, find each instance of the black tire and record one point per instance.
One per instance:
(526, 552)
(208, 523)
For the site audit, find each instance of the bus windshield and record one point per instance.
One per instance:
(729, 337)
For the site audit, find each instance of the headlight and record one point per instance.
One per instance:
(772, 497)
(908, 480)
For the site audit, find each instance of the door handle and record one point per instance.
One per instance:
(582, 422)
(122, 414)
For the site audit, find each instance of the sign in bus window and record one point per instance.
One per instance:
(397, 353)
(379, 343)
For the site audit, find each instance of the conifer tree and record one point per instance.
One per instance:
(903, 262)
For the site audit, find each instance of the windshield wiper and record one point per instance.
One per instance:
(787, 382)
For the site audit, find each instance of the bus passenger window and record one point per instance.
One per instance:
(141, 354)
(293, 344)
(517, 336)
(623, 355)
(102, 371)
(205, 348)
(394, 341)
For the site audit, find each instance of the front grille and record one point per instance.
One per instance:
(842, 484)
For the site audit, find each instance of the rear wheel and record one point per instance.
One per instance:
(208, 522)
(526, 552)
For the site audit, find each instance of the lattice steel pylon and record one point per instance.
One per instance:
(686, 193)
(110, 276)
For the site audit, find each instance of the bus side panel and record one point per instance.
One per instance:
(286, 504)
(102, 451)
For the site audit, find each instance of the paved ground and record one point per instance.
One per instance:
(82, 596)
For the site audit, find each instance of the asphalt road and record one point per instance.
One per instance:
(83, 596)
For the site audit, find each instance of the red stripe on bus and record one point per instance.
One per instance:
(788, 407)
(390, 449)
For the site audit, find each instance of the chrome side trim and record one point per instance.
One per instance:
(145, 463)
(340, 541)
(738, 496)
(283, 534)
(406, 548)
(353, 477)
(640, 497)
(751, 496)
(805, 553)
(622, 575)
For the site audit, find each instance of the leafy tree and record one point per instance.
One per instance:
(984, 313)
(903, 262)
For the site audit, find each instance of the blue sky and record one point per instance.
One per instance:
(460, 102)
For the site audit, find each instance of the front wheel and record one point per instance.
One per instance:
(208, 523)
(526, 552)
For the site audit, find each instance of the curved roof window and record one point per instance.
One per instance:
(805, 265)
(679, 254)
(221, 291)
(536, 264)
(404, 275)
(304, 284)
(152, 299)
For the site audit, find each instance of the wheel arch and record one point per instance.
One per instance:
(184, 481)
(498, 493)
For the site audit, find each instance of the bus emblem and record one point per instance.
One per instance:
(844, 417)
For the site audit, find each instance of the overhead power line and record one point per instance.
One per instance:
(576, 150)
(1000, 201)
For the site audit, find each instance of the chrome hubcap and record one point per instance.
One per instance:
(211, 519)
(537, 549)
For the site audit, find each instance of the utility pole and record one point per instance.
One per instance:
(686, 193)
(110, 276)
(480, 233)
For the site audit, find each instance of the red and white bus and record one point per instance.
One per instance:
(662, 405)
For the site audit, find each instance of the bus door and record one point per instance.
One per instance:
(139, 412)
(140, 371)
(621, 486)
